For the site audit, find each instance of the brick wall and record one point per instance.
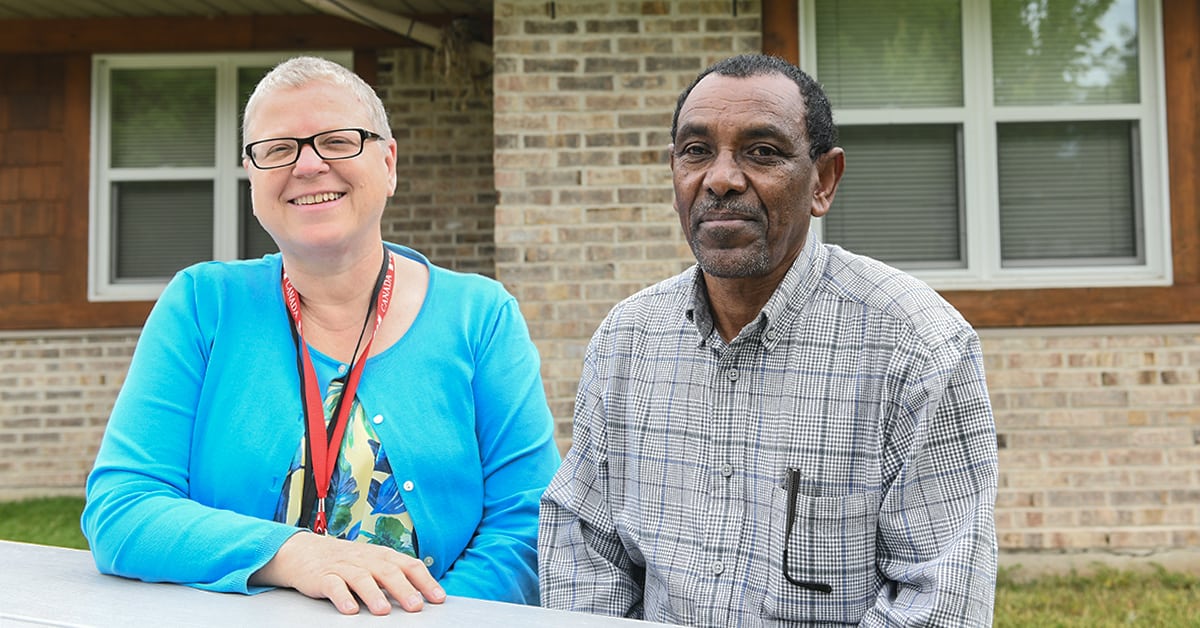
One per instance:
(445, 193)
(1099, 436)
(56, 391)
(1099, 429)
(584, 96)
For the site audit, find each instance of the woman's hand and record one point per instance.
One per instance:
(327, 567)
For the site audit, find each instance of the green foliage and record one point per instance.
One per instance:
(1054, 52)
(45, 521)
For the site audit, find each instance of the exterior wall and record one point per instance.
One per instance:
(584, 98)
(1098, 427)
(34, 255)
(445, 194)
(1099, 437)
(45, 121)
(56, 391)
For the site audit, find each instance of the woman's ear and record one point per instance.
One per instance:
(829, 168)
(391, 166)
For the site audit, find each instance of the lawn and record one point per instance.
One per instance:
(1102, 598)
(46, 521)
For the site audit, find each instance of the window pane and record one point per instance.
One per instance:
(1067, 191)
(1062, 52)
(254, 241)
(899, 200)
(247, 79)
(163, 117)
(882, 53)
(161, 227)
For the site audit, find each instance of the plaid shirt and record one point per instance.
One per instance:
(671, 504)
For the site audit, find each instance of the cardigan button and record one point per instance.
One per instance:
(408, 485)
(377, 419)
(428, 561)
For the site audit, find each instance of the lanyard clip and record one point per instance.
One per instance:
(319, 524)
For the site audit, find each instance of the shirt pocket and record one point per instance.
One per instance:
(832, 543)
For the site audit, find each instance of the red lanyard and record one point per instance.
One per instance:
(323, 444)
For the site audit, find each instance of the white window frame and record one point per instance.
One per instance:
(225, 174)
(979, 117)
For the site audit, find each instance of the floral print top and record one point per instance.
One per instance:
(376, 515)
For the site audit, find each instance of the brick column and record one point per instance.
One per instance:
(584, 93)
(445, 189)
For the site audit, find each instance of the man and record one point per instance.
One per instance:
(787, 433)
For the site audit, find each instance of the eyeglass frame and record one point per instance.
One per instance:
(301, 142)
(793, 489)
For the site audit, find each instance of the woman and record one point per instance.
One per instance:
(346, 387)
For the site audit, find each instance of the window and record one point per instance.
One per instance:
(167, 186)
(1001, 144)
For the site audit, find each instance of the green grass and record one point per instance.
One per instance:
(45, 521)
(1101, 598)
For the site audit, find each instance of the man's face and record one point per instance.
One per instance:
(318, 206)
(745, 187)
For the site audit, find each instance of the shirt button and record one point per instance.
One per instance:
(771, 335)
(377, 419)
(717, 567)
(408, 485)
(342, 369)
(428, 561)
(726, 470)
(732, 374)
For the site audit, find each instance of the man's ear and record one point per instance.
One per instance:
(671, 155)
(830, 167)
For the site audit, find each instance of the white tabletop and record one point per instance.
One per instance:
(53, 586)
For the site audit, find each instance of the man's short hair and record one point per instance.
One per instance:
(818, 117)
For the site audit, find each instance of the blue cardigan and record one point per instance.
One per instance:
(194, 457)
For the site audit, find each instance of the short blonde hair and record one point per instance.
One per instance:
(300, 71)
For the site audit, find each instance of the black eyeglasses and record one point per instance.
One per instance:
(793, 488)
(278, 152)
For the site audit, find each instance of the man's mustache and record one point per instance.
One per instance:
(712, 208)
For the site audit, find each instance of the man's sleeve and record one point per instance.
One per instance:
(582, 563)
(937, 535)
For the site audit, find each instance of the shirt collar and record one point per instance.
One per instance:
(781, 310)
(698, 312)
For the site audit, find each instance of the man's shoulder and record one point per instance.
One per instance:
(665, 293)
(893, 293)
(652, 306)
